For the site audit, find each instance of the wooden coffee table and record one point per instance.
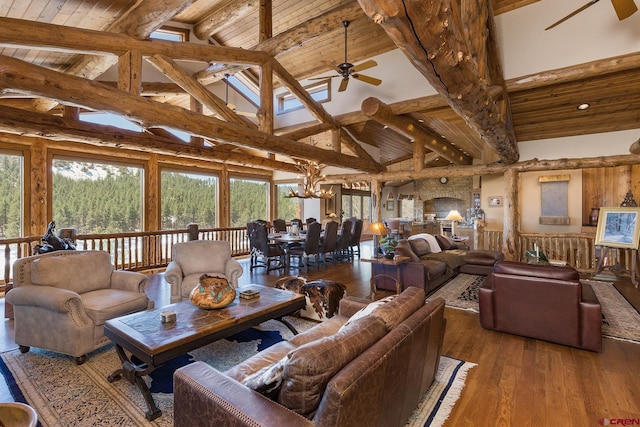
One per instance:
(153, 343)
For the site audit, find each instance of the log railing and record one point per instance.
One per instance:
(139, 251)
(577, 249)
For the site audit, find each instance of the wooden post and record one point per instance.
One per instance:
(39, 192)
(192, 232)
(224, 199)
(511, 218)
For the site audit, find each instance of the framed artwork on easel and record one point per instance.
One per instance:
(618, 228)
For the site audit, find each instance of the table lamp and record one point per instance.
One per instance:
(453, 216)
(377, 229)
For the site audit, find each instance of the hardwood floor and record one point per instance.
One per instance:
(518, 381)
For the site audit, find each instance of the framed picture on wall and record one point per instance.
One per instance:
(495, 201)
(330, 205)
(618, 228)
(390, 205)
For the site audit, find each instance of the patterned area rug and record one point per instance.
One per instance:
(65, 394)
(619, 319)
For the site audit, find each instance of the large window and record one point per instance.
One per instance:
(11, 168)
(249, 201)
(287, 207)
(356, 205)
(320, 92)
(96, 197)
(188, 198)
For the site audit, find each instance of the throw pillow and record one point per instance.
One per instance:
(446, 243)
(311, 366)
(433, 243)
(403, 248)
(366, 310)
(268, 380)
(420, 247)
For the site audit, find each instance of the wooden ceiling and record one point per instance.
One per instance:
(543, 107)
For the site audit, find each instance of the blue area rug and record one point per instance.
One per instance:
(162, 378)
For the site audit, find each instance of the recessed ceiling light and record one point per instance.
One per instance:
(583, 106)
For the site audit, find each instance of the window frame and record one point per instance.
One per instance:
(96, 158)
(193, 171)
(313, 88)
(25, 183)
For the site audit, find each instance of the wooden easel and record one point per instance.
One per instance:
(616, 268)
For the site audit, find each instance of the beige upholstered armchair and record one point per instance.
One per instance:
(62, 299)
(190, 260)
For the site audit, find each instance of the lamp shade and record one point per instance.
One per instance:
(454, 215)
(377, 229)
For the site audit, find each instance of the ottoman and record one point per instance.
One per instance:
(480, 262)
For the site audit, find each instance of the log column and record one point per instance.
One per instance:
(511, 217)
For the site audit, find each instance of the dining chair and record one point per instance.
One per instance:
(311, 247)
(344, 238)
(354, 243)
(279, 225)
(329, 242)
(264, 254)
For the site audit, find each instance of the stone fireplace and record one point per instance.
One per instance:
(439, 198)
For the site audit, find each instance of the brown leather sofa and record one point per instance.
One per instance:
(429, 270)
(371, 369)
(543, 302)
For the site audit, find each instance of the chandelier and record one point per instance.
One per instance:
(310, 177)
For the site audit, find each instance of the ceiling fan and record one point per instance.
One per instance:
(232, 107)
(347, 70)
(623, 8)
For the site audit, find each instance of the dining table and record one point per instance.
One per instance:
(285, 239)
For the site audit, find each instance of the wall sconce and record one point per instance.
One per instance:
(390, 197)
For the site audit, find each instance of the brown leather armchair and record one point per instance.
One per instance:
(543, 302)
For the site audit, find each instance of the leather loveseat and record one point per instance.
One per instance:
(368, 369)
(543, 302)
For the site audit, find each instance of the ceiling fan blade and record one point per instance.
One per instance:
(575, 12)
(331, 65)
(365, 65)
(367, 79)
(624, 8)
(324, 78)
(343, 85)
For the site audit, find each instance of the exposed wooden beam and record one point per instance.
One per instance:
(431, 34)
(224, 17)
(310, 29)
(318, 111)
(158, 140)
(175, 73)
(20, 33)
(40, 81)
(380, 112)
(489, 169)
(294, 37)
(143, 18)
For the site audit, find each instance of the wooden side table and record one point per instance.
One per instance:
(385, 261)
